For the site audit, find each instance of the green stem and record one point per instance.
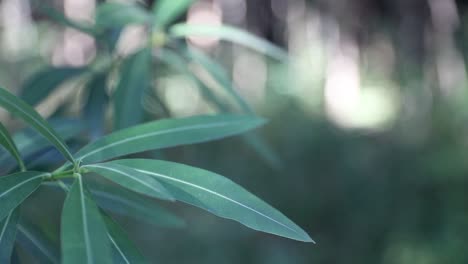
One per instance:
(61, 175)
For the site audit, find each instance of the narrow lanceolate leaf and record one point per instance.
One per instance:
(218, 195)
(29, 142)
(166, 133)
(95, 106)
(232, 34)
(217, 72)
(35, 242)
(7, 142)
(131, 179)
(110, 15)
(18, 107)
(43, 83)
(8, 235)
(177, 62)
(126, 203)
(134, 79)
(166, 11)
(14, 188)
(83, 231)
(125, 251)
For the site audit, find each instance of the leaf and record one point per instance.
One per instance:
(29, 142)
(110, 15)
(166, 11)
(94, 109)
(15, 188)
(232, 34)
(42, 84)
(178, 63)
(83, 232)
(7, 142)
(131, 179)
(124, 249)
(218, 195)
(166, 133)
(251, 139)
(18, 107)
(8, 235)
(217, 72)
(134, 79)
(35, 242)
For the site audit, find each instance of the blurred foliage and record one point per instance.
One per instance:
(368, 118)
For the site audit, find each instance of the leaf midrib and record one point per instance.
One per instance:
(84, 219)
(155, 134)
(21, 183)
(126, 174)
(220, 195)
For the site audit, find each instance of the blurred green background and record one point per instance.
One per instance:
(368, 119)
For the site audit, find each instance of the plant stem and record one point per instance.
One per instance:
(62, 175)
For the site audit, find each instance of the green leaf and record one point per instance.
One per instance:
(83, 232)
(15, 188)
(130, 204)
(125, 251)
(166, 133)
(21, 109)
(94, 109)
(218, 195)
(109, 15)
(42, 84)
(8, 235)
(232, 34)
(29, 142)
(177, 62)
(36, 243)
(131, 179)
(134, 79)
(7, 142)
(166, 11)
(217, 72)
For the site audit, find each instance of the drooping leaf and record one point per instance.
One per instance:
(14, 188)
(217, 72)
(29, 142)
(83, 232)
(8, 235)
(134, 79)
(131, 179)
(110, 15)
(130, 204)
(36, 243)
(232, 34)
(253, 140)
(166, 11)
(166, 133)
(18, 107)
(177, 62)
(42, 84)
(7, 142)
(125, 251)
(94, 109)
(219, 196)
